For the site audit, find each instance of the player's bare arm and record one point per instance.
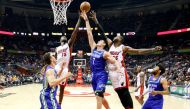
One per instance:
(164, 83)
(128, 49)
(89, 31)
(74, 33)
(111, 59)
(62, 67)
(105, 38)
(52, 80)
(141, 81)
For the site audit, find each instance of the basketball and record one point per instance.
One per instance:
(85, 6)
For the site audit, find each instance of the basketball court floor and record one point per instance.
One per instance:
(27, 97)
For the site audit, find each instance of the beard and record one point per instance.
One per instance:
(154, 73)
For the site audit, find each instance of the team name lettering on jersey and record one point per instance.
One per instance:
(63, 51)
(115, 54)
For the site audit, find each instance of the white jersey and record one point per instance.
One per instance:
(119, 79)
(63, 53)
(142, 88)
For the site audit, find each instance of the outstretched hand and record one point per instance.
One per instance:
(83, 15)
(93, 15)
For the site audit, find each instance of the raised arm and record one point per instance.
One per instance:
(74, 33)
(105, 38)
(128, 49)
(89, 31)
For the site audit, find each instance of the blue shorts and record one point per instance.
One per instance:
(48, 102)
(99, 81)
(153, 104)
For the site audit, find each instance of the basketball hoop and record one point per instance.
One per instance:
(59, 8)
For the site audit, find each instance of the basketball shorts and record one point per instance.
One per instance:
(125, 97)
(99, 81)
(65, 70)
(49, 102)
(153, 104)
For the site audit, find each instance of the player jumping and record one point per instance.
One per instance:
(120, 79)
(63, 52)
(98, 60)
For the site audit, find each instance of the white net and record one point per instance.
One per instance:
(59, 8)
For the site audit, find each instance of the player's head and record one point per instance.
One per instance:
(63, 40)
(101, 43)
(118, 39)
(49, 59)
(139, 68)
(159, 70)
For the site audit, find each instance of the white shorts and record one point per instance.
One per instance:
(119, 79)
(65, 70)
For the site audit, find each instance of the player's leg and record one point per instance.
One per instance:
(41, 102)
(139, 97)
(125, 98)
(100, 89)
(105, 103)
(62, 86)
(61, 93)
(140, 100)
(98, 95)
(99, 99)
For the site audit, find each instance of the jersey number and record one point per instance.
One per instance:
(116, 57)
(93, 60)
(64, 54)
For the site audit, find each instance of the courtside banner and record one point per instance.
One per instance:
(173, 31)
(178, 90)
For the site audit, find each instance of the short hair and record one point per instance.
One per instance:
(122, 38)
(63, 37)
(162, 68)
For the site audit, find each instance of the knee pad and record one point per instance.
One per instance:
(99, 93)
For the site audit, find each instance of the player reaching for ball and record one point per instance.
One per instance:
(98, 60)
(120, 80)
(63, 52)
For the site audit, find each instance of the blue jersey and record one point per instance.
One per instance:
(155, 85)
(48, 94)
(97, 61)
(99, 74)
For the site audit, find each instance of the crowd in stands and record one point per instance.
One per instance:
(20, 69)
(24, 51)
(178, 69)
(177, 66)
